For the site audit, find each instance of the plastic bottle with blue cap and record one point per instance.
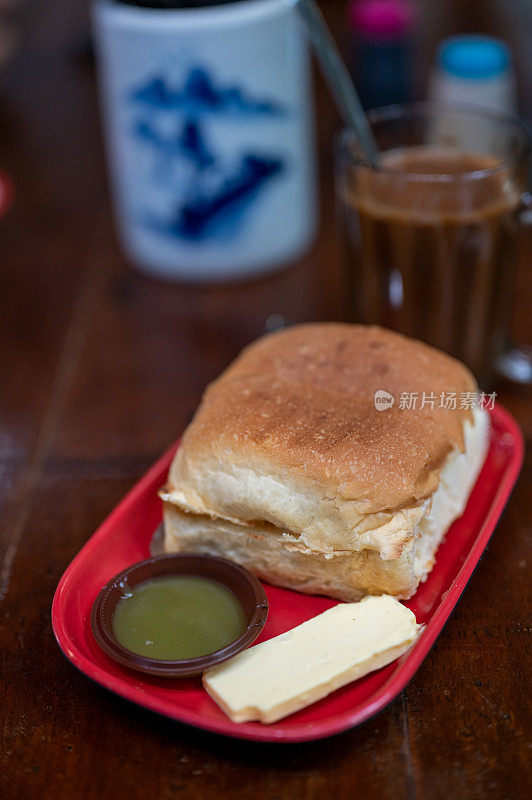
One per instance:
(476, 70)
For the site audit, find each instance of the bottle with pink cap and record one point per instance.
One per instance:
(382, 33)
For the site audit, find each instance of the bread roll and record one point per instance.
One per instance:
(289, 468)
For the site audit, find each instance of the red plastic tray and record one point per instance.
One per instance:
(124, 538)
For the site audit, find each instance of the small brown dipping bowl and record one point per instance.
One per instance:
(242, 583)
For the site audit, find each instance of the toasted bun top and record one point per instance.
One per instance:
(298, 406)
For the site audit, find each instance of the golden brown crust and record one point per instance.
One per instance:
(300, 403)
(290, 469)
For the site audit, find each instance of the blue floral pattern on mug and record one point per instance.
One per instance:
(210, 193)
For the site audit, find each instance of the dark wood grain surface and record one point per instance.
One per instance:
(100, 370)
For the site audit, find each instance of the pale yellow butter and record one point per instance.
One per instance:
(293, 670)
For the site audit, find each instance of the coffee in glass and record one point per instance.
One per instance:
(432, 231)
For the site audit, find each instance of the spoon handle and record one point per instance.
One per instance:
(337, 76)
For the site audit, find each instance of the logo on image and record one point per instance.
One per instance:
(383, 400)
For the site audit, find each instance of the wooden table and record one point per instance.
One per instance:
(101, 369)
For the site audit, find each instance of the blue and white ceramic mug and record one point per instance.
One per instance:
(209, 130)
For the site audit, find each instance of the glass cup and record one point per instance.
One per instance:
(432, 231)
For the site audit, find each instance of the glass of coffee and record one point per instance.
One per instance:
(432, 231)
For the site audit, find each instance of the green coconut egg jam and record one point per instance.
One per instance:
(178, 616)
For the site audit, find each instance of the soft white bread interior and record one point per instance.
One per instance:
(289, 468)
(347, 575)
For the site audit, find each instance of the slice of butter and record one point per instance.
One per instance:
(293, 670)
